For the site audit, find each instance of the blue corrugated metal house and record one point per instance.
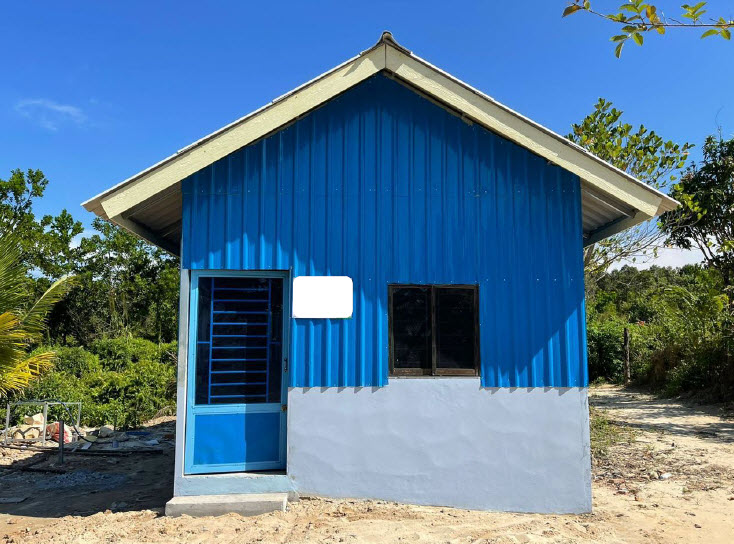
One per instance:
(382, 292)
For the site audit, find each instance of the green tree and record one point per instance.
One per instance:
(126, 287)
(678, 322)
(637, 19)
(46, 244)
(22, 324)
(641, 153)
(705, 219)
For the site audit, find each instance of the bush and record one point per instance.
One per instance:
(119, 353)
(147, 388)
(605, 354)
(168, 353)
(124, 382)
(680, 324)
(76, 361)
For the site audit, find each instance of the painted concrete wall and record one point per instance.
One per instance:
(446, 442)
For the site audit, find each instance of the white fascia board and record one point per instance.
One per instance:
(238, 134)
(417, 73)
(530, 135)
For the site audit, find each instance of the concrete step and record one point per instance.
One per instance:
(246, 504)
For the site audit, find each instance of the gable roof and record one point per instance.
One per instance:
(149, 203)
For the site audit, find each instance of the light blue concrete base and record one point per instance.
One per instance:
(235, 483)
(440, 442)
(444, 442)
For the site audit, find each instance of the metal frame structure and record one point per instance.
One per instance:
(45, 404)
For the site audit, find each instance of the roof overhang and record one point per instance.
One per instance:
(149, 203)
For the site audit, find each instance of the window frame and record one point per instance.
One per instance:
(433, 371)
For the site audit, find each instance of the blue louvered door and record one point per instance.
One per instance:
(237, 380)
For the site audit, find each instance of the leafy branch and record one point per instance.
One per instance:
(637, 18)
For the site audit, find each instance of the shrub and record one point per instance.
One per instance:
(147, 388)
(604, 339)
(168, 353)
(76, 361)
(124, 383)
(118, 353)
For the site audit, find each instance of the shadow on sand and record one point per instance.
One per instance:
(35, 484)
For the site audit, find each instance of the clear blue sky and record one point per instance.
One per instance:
(93, 92)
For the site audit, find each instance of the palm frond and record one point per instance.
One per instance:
(9, 332)
(19, 329)
(34, 320)
(24, 370)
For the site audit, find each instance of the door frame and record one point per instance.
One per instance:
(192, 409)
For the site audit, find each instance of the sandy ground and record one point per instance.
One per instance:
(671, 480)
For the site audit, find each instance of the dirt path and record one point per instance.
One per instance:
(671, 480)
(674, 478)
(692, 427)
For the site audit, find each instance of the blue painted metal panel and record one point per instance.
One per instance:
(385, 186)
(216, 443)
(236, 441)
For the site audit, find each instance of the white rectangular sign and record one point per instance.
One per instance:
(323, 297)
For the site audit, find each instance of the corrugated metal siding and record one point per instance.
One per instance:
(386, 187)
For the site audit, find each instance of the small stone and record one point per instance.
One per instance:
(36, 420)
(696, 525)
(665, 476)
(105, 431)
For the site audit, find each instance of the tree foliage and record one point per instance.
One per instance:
(641, 153)
(705, 219)
(124, 286)
(124, 295)
(677, 320)
(637, 19)
(46, 243)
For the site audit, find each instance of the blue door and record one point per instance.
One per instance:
(237, 385)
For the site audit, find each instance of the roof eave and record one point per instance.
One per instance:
(115, 204)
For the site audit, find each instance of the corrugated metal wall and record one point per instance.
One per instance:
(385, 186)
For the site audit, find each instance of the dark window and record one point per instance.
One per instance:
(434, 330)
(239, 340)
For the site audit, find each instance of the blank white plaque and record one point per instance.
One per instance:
(323, 297)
